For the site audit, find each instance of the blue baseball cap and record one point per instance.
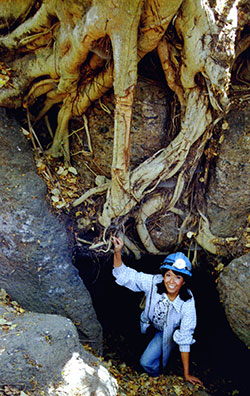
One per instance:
(177, 262)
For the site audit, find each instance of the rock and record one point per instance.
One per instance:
(35, 254)
(164, 230)
(229, 187)
(234, 291)
(224, 228)
(148, 130)
(41, 353)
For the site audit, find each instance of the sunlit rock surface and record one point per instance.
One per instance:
(234, 290)
(42, 355)
(229, 187)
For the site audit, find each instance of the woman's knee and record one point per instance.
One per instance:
(151, 367)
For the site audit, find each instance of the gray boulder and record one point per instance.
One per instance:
(228, 196)
(148, 129)
(41, 354)
(234, 291)
(35, 255)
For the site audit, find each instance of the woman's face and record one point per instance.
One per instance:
(173, 283)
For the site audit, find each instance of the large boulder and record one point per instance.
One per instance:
(151, 111)
(41, 353)
(224, 230)
(229, 188)
(234, 291)
(35, 253)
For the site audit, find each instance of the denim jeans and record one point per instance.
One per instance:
(151, 357)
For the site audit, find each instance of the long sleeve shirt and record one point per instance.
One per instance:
(181, 316)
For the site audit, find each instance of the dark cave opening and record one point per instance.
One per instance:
(218, 357)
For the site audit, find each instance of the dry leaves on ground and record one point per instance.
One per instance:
(132, 383)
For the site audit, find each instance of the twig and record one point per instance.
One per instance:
(104, 107)
(83, 241)
(87, 133)
(32, 130)
(46, 118)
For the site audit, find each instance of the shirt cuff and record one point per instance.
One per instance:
(184, 348)
(118, 270)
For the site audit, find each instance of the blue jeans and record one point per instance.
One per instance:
(151, 357)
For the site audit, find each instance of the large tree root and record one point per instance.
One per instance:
(63, 45)
(152, 206)
(197, 116)
(167, 162)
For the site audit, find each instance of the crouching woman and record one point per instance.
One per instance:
(170, 308)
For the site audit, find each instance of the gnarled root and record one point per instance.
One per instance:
(151, 206)
(38, 89)
(64, 37)
(60, 146)
(170, 66)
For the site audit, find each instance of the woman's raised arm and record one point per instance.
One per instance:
(118, 245)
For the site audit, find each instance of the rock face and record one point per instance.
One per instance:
(42, 353)
(148, 130)
(233, 287)
(229, 188)
(35, 254)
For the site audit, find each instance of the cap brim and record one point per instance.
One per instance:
(181, 271)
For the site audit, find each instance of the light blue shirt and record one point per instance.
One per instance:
(181, 317)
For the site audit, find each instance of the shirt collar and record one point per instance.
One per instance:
(177, 303)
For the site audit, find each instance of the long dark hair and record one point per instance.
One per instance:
(185, 289)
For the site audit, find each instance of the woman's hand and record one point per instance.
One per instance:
(187, 376)
(193, 380)
(118, 244)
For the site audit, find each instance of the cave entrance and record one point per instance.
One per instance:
(218, 357)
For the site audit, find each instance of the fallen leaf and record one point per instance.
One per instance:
(25, 132)
(225, 125)
(177, 389)
(72, 170)
(4, 322)
(221, 139)
(60, 205)
(60, 170)
(55, 191)
(3, 81)
(55, 198)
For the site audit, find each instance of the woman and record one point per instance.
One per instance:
(170, 308)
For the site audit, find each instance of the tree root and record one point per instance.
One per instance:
(93, 191)
(60, 146)
(38, 89)
(131, 246)
(77, 71)
(150, 207)
(206, 49)
(170, 66)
